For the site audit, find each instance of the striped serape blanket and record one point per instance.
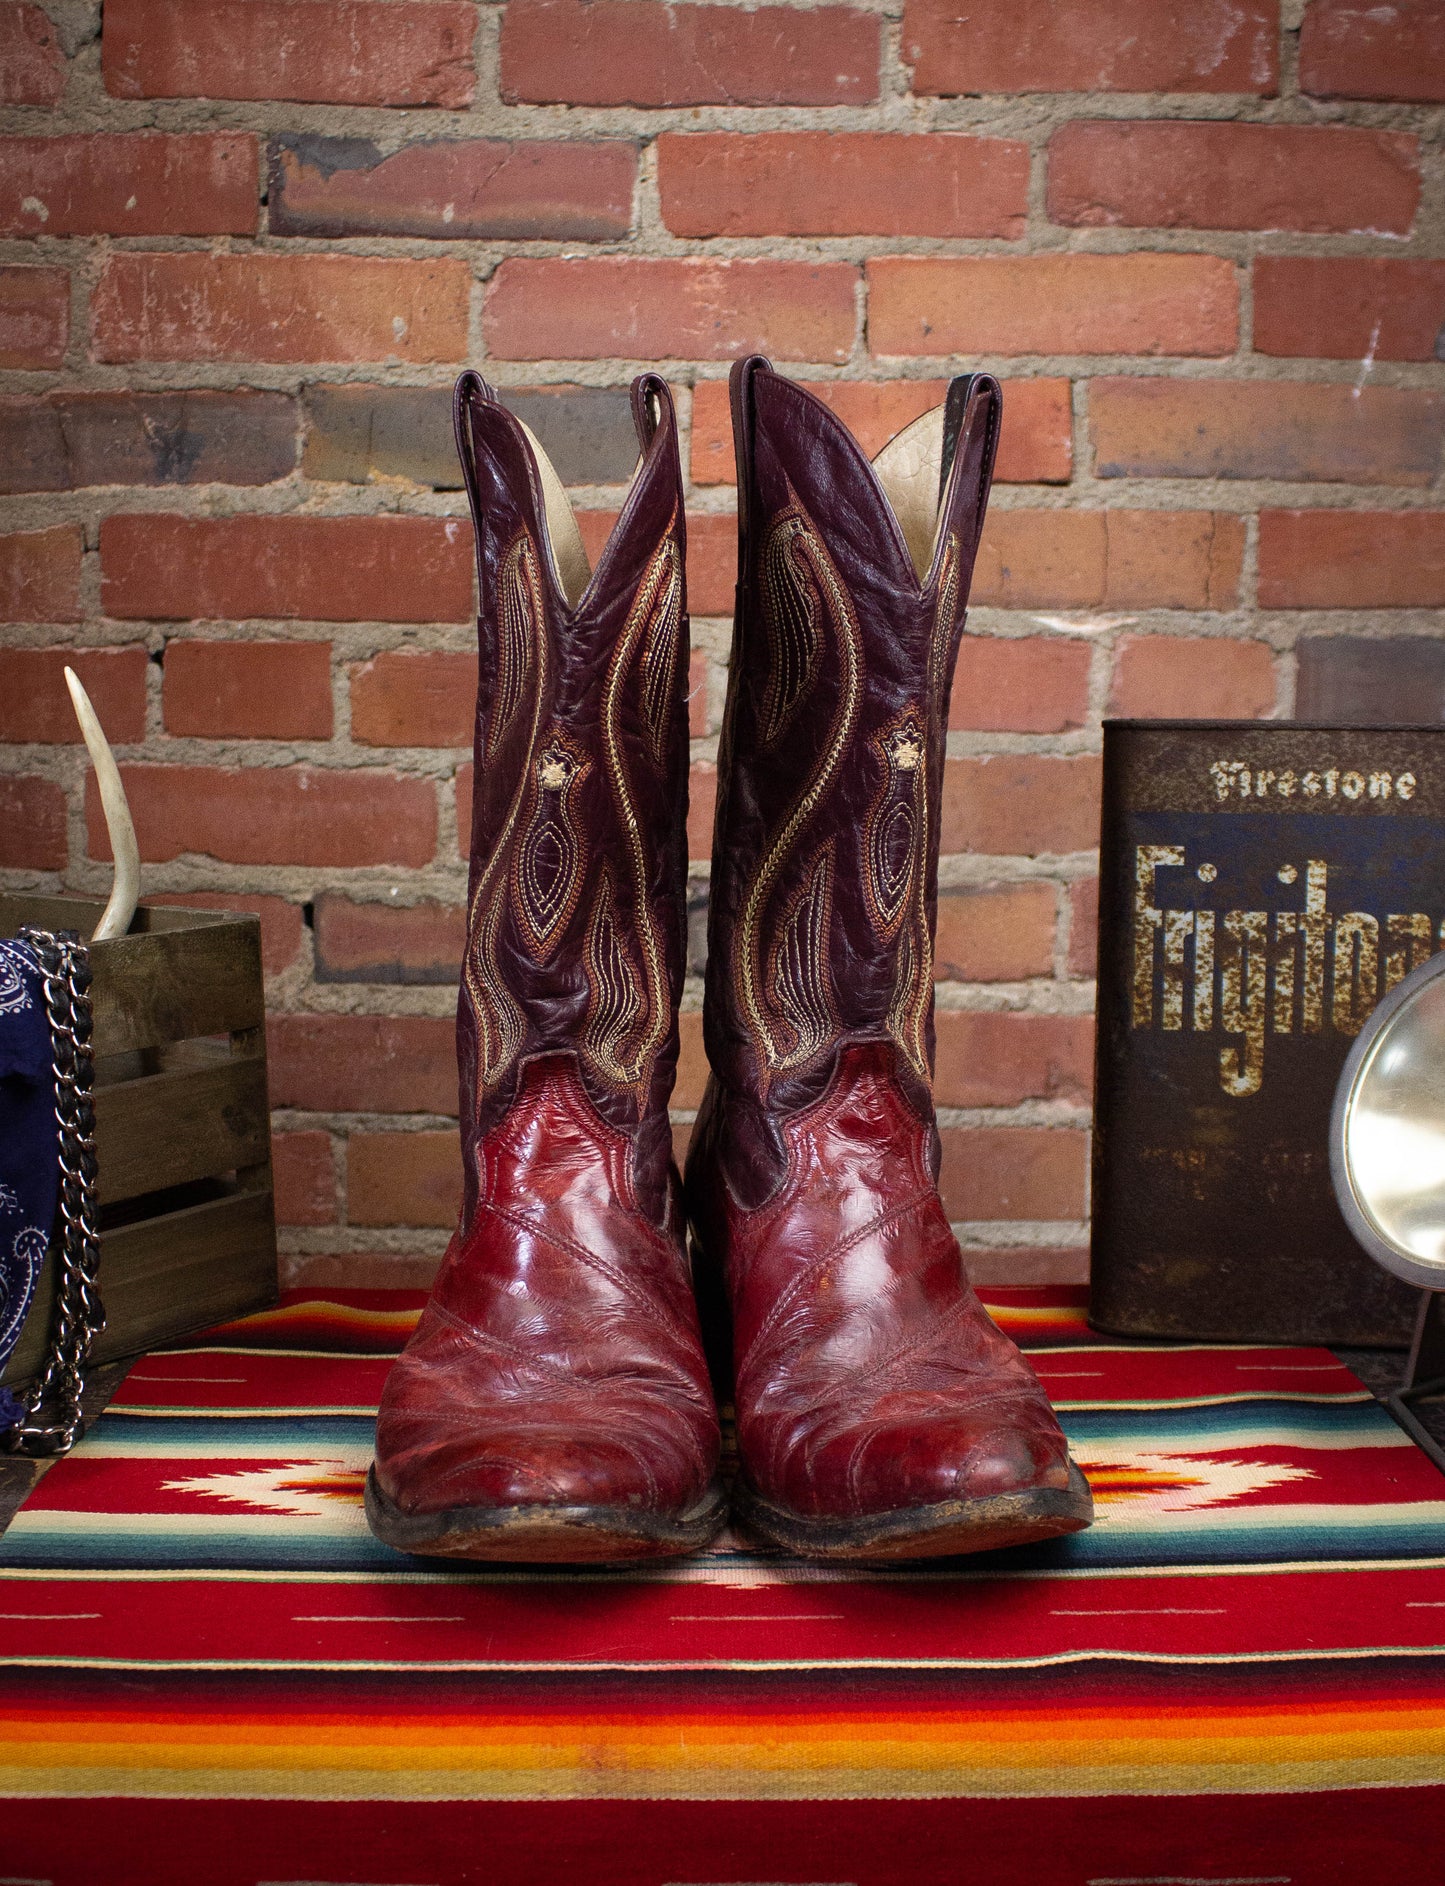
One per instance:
(210, 1672)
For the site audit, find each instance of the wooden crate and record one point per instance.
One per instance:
(182, 1125)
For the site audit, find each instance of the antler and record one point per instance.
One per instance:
(125, 892)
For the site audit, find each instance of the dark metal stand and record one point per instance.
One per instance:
(1424, 1374)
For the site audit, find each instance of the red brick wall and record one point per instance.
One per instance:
(245, 245)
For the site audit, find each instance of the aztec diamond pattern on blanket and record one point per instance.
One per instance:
(210, 1670)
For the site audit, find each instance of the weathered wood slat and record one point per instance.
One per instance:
(180, 973)
(150, 990)
(83, 913)
(168, 1276)
(167, 1129)
(50, 913)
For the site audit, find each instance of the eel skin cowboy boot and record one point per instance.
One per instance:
(880, 1413)
(554, 1402)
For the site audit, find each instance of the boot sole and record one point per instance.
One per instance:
(545, 1535)
(950, 1528)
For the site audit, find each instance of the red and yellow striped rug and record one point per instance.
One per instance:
(210, 1671)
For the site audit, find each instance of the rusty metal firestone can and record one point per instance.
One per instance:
(1262, 886)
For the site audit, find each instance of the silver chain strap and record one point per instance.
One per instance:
(52, 1420)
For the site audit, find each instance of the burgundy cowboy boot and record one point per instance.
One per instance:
(880, 1413)
(554, 1402)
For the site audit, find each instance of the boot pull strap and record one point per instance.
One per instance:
(972, 416)
(954, 406)
(651, 398)
(469, 388)
(740, 399)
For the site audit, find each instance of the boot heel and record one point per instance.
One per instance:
(715, 1318)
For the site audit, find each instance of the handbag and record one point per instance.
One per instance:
(47, 1179)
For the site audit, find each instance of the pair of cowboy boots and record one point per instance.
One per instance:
(555, 1402)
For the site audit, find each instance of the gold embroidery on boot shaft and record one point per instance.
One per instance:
(522, 654)
(519, 611)
(548, 870)
(799, 973)
(912, 1001)
(500, 1022)
(790, 612)
(803, 599)
(945, 615)
(913, 990)
(629, 1008)
(661, 642)
(616, 1002)
(629, 1013)
(894, 821)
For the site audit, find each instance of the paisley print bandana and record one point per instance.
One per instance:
(29, 1168)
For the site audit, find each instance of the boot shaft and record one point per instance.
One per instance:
(576, 921)
(852, 585)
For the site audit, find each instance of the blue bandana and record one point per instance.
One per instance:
(29, 1147)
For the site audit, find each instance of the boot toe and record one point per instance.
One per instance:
(506, 1468)
(900, 1466)
(1011, 1460)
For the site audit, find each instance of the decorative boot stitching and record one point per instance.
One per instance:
(945, 611)
(562, 1379)
(548, 870)
(807, 1276)
(661, 644)
(793, 631)
(799, 977)
(501, 1026)
(519, 612)
(913, 988)
(926, 1345)
(651, 1308)
(894, 820)
(616, 1001)
(912, 999)
(499, 1020)
(629, 1015)
(802, 593)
